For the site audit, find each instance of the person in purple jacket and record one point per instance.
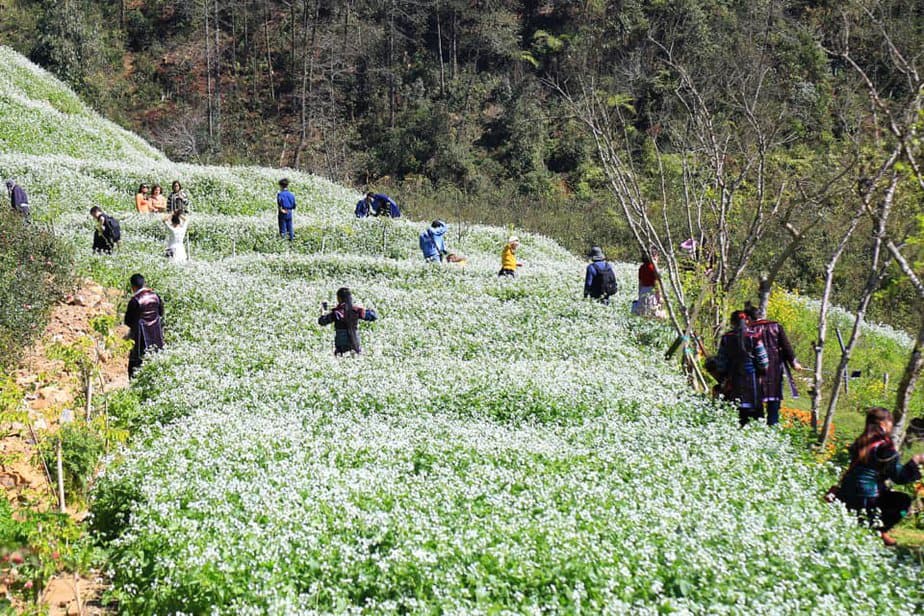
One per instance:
(285, 202)
(18, 198)
(144, 316)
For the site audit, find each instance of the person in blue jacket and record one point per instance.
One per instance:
(285, 202)
(432, 241)
(377, 205)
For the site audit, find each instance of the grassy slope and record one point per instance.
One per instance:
(500, 445)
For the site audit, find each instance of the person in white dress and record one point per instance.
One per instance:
(176, 223)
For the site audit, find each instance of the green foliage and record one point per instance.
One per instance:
(82, 447)
(34, 273)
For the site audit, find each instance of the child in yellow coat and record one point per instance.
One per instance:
(509, 263)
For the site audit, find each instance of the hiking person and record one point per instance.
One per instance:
(600, 277)
(143, 200)
(19, 200)
(648, 303)
(176, 223)
(107, 233)
(177, 199)
(377, 204)
(158, 200)
(873, 460)
(740, 362)
(285, 202)
(781, 357)
(346, 317)
(433, 241)
(144, 316)
(509, 263)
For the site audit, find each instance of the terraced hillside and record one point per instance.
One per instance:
(501, 447)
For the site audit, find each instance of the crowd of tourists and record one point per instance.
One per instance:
(754, 361)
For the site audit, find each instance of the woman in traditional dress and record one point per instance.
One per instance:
(346, 317)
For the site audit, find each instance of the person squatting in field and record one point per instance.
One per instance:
(377, 204)
(285, 203)
(873, 460)
(739, 364)
(433, 241)
(781, 357)
(346, 317)
(144, 316)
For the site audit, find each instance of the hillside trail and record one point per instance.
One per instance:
(49, 390)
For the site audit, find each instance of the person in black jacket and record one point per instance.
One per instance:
(144, 316)
(346, 317)
(107, 232)
(873, 460)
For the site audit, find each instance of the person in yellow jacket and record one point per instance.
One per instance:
(509, 263)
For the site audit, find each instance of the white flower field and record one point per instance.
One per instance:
(501, 447)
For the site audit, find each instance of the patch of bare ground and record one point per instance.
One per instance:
(48, 390)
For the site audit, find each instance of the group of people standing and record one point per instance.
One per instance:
(151, 199)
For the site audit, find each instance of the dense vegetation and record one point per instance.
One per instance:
(463, 109)
(526, 451)
(34, 273)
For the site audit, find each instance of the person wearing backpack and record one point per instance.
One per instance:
(873, 460)
(600, 278)
(740, 363)
(107, 233)
(782, 359)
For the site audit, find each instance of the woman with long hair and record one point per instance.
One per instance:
(176, 223)
(143, 199)
(873, 460)
(346, 317)
(178, 199)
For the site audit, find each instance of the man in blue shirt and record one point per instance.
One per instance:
(433, 242)
(285, 201)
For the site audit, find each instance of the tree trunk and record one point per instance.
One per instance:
(906, 388)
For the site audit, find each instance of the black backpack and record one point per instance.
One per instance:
(604, 282)
(115, 230)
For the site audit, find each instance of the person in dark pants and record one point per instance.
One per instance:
(19, 200)
(780, 356)
(285, 201)
(740, 363)
(144, 316)
(873, 460)
(106, 233)
(346, 317)
(600, 277)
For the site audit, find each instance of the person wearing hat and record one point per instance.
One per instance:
(600, 278)
(18, 198)
(509, 263)
(285, 202)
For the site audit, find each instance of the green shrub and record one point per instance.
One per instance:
(82, 448)
(34, 272)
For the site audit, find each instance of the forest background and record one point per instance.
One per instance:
(472, 110)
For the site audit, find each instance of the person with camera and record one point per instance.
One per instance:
(107, 233)
(873, 460)
(346, 317)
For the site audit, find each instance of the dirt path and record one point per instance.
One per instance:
(48, 391)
